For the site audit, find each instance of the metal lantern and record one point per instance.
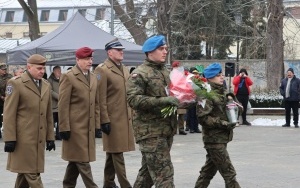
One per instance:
(232, 110)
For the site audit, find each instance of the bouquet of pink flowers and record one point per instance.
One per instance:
(186, 87)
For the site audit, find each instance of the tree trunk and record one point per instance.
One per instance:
(274, 65)
(31, 12)
(129, 20)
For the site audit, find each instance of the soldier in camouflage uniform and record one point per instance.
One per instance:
(217, 131)
(4, 77)
(146, 94)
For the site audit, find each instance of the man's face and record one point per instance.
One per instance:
(18, 72)
(117, 55)
(2, 72)
(36, 71)
(85, 63)
(290, 74)
(159, 55)
(57, 72)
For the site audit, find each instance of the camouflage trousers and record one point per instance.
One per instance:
(217, 159)
(157, 168)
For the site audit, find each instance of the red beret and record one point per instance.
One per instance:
(84, 52)
(175, 64)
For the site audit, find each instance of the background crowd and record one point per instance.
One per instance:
(124, 105)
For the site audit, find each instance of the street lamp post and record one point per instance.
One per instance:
(238, 21)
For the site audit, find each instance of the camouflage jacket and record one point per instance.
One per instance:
(145, 85)
(3, 82)
(213, 116)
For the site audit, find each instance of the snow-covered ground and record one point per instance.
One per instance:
(267, 122)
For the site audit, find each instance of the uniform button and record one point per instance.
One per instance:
(41, 114)
(40, 141)
(41, 127)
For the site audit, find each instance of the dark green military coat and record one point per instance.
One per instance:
(212, 117)
(146, 84)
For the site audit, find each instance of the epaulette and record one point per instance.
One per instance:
(45, 80)
(16, 77)
(101, 65)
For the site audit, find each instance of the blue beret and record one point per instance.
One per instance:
(212, 70)
(153, 43)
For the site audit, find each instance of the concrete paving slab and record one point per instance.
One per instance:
(264, 157)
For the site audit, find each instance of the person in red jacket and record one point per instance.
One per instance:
(242, 84)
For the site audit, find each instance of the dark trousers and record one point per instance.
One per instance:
(72, 172)
(217, 159)
(192, 118)
(294, 106)
(27, 180)
(115, 164)
(55, 120)
(243, 99)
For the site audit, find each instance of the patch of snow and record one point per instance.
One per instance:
(268, 122)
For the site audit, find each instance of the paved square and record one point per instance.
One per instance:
(264, 157)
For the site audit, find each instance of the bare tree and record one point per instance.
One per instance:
(136, 24)
(128, 18)
(275, 44)
(31, 12)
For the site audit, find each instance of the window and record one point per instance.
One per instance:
(8, 35)
(45, 15)
(25, 17)
(9, 16)
(25, 34)
(100, 14)
(63, 14)
(82, 12)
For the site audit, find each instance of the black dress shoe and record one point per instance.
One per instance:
(181, 132)
(197, 131)
(187, 129)
(296, 126)
(285, 125)
(246, 123)
(192, 131)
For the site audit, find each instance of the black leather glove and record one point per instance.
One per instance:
(98, 133)
(105, 127)
(65, 135)
(10, 146)
(50, 145)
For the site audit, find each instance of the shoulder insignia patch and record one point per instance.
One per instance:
(45, 80)
(9, 89)
(98, 76)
